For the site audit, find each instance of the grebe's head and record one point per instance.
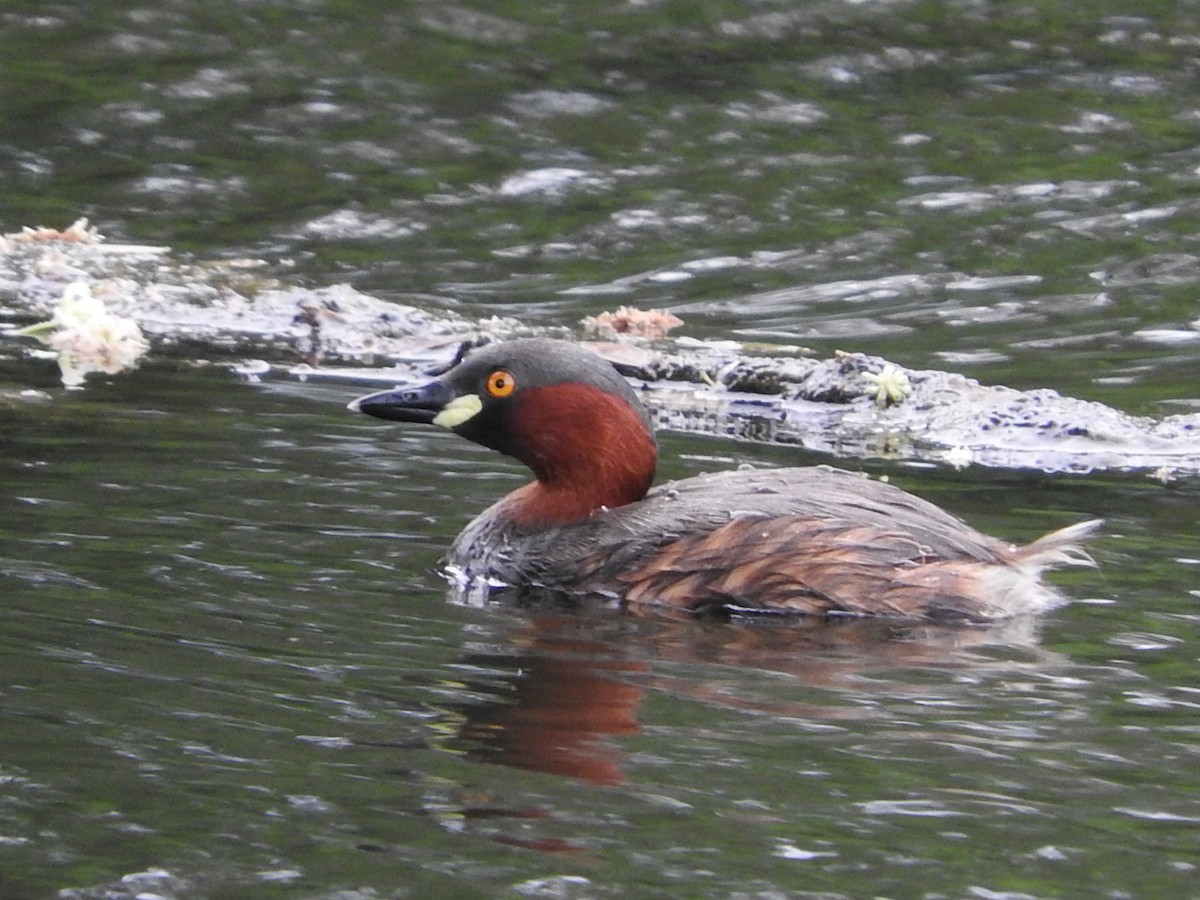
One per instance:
(555, 406)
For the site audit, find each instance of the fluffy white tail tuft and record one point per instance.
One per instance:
(1059, 548)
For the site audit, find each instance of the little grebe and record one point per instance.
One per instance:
(817, 541)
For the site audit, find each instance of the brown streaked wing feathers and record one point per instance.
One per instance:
(805, 565)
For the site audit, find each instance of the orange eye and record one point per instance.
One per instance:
(501, 383)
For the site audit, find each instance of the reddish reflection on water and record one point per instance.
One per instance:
(568, 696)
(577, 682)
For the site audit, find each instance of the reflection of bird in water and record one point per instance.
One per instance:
(814, 541)
(568, 697)
(577, 680)
(563, 695)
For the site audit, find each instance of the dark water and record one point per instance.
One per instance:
(226, 666)
(227, 662)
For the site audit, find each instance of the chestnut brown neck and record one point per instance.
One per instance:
(588, 449)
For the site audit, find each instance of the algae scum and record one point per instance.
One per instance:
(852, 404)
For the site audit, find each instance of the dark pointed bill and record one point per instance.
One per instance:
(408, 403)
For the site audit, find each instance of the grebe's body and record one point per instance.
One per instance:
(816, 541)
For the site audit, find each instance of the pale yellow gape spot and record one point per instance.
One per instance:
(458, 410)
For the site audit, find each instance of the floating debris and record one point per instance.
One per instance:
(652, 324)
(846, 405)
(87, 337)
(891, 385)
(959, 457)
(78, 232)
